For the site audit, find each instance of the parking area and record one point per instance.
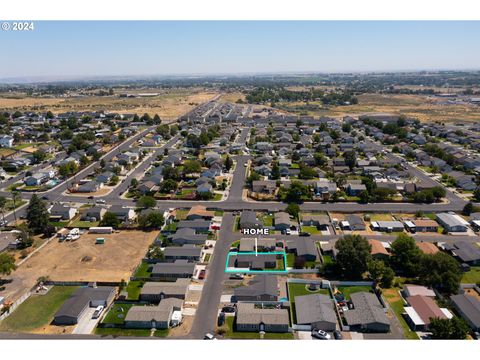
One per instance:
(86, 324)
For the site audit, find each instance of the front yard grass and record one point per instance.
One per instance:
(37, 310)
(267, 220)
(231, 334)
(312, 230)
(472, 276)
(396, 303)
(380, 217)
(122, 332)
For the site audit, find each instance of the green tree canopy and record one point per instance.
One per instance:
(448, 329)
(440, 271)
(7, 264)
(406, 255)
(146, 202)
(353, 255)
(37, 215)
(110, 219)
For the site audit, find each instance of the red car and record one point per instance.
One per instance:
(202, 274)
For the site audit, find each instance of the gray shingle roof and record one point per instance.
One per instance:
(314, 308)
(367, 310)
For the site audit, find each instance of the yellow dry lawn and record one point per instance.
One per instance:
(232, 97)
(168, 104)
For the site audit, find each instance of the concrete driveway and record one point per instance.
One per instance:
(86, 324)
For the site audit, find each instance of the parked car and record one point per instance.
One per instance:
(237, 277)
(221, 319)
(97, 312)
(303, 233)
(202, 274)
(100, 201)
(90, 197)
(337, 335)
(320, 335)
(228, 309)
(209, 336)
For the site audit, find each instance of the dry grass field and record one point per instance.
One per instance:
(82, 260)
(423, 107)
(169, 104)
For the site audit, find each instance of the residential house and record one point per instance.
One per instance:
(420, 312)
(248, 220)
(282, 221)
(184, 252)
(155, 292)
(82, 299)
(263, 245)
(89, 187)
(260, 288)
(95, 213)
(62, 211)
(303, 248)
(252, 319)
(197, 225)
(378, 250)
(315, 310)
(320, 221)
(124, 214)
(175, 270)
(468, 307)
(188, 236)
(452, 222)
(153, 317)
(199, 212)
(367, 315)
(261, 261)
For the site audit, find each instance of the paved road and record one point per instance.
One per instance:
(206, 314)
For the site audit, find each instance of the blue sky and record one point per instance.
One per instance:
(57, 48)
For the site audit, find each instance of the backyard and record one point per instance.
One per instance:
(396, 303)
(37, 311)
(472, 276)
(299, 289)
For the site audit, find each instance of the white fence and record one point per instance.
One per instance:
(16, 304)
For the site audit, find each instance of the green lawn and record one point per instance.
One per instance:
(37, 310)
(267, 220)
(347, 290)
(59, 224)
(290, 260)
(117, 313)
(171, 227)
(231, 334)
(161, 332)
(218, 212)
(142, 270)
(122, 332)
(396, 303)
(84, 224)
(472, 276)
(312, 230)
(133, 289)
(299, 290)
(207, 258)
(217, 197)
(327, 259)
(9, 204)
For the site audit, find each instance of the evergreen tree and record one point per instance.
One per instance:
(37, 215)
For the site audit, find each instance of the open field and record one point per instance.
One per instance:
(36, 313)
(169, 104)
(82, 260)
(423, 107)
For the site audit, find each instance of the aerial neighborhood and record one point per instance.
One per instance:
(247, 217)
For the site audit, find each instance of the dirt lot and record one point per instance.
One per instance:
(82, 260)
(184, 327)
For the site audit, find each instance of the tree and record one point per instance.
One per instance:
(293, 210)
(191, 167)
(3, 203)
(167, 186)
(307, 172)
(228, 163)
(275, 174)
(146, 202)
(469, 208)
(39, 156)
(381, 273)
(476, 194)
(110, 219)
(350, 159)
(7, 264)
(296, 192)
(37, 215)
(406, 255)
(440, 271)
(448, 329)
(133, 183)
(155, 252)
(151, 220)
(353, 255)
